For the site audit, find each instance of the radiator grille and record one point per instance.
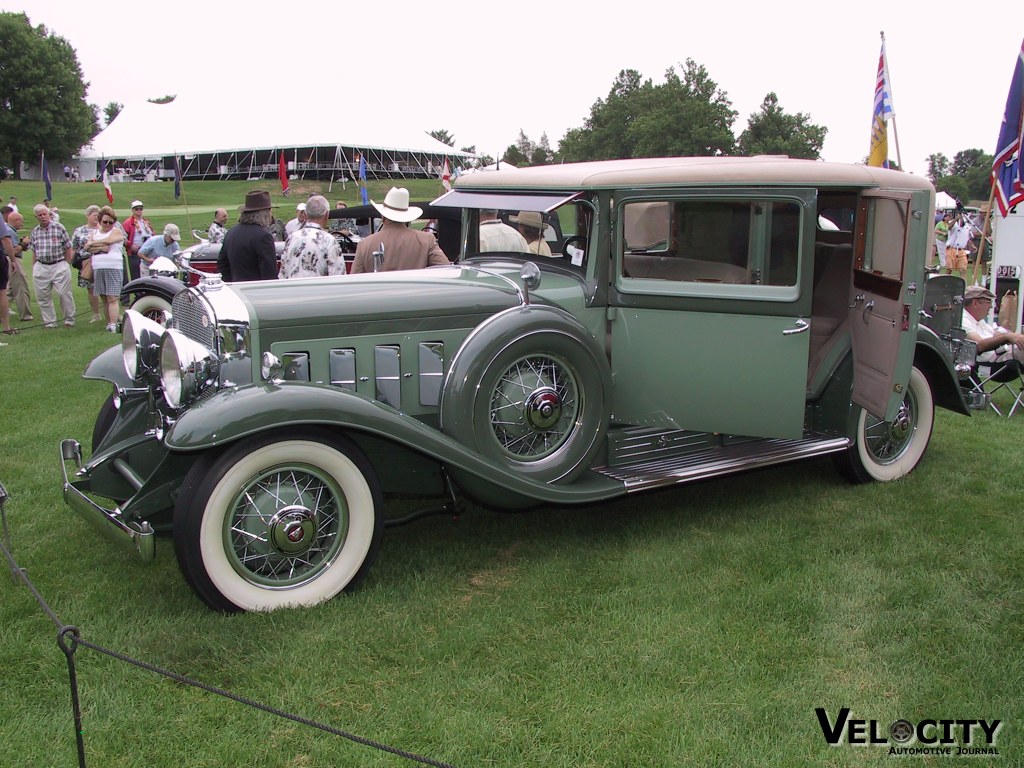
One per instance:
(192, 316)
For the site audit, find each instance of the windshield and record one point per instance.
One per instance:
(558, 233)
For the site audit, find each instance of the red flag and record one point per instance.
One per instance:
(282, 173)
(106, 184)
(446, 177)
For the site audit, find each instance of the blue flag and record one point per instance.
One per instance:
(46, 178)
(362, 181)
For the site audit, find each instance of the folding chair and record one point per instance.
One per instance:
(1007, 375)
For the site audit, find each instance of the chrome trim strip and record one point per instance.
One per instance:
(387, 360)
(431, 354)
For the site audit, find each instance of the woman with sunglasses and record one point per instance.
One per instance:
(107, 248)
(79, 239)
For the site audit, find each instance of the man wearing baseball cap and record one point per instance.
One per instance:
(998, 347)
(156, 247)
(400, 246)
(137, 230)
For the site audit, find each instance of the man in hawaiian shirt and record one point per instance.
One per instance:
(312, 251)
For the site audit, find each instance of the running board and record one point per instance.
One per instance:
(719, 460)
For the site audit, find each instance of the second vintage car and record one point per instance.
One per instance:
(697, 317)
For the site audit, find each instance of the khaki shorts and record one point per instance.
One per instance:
(956, 258)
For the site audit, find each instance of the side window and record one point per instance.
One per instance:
(739, 242)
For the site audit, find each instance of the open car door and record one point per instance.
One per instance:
(880, 316)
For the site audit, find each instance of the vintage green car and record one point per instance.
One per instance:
(696, 317)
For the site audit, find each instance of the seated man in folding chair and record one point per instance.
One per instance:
(998, 348)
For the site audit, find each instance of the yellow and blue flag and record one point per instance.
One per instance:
(880, 116)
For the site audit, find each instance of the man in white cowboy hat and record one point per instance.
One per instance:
(247, 252)
(404, 248)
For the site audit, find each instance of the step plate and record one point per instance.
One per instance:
(719, 460)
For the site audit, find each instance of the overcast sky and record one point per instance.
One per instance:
(485, 70)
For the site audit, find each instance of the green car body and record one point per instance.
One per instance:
(698, 317)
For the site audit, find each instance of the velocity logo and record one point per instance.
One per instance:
(961, 736)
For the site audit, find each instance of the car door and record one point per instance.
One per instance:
(708, 317)
(882, 319)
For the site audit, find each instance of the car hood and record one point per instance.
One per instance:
(387, 296)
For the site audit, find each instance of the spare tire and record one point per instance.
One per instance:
(531, 390)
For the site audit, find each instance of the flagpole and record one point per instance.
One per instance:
(888, 82)
(181, 182)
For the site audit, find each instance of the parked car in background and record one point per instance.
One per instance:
(697, 317)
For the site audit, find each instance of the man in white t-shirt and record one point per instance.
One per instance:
(997, 347)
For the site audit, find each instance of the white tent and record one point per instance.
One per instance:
(944, 202)
(187, 127)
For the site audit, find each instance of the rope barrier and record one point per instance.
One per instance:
(69, 640)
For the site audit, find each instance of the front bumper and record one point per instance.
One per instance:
(137, 538)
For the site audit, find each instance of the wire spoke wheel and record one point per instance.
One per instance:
(283, 519)
(887, 441)
(286, 526)
(534, 407)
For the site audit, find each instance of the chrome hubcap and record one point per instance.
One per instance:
(543, 408)
(292, 529)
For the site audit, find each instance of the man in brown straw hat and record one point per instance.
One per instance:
(403, 248)
(247, 252)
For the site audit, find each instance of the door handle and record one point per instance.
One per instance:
(801, 326)
(868, 308)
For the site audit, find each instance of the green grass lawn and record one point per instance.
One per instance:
(194, 209)
(696, 626)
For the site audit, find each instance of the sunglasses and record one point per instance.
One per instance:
(137, 209)
(106, 221)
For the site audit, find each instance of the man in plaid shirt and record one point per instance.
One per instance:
(51, 270)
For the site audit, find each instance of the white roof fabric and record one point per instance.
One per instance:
(187, 126)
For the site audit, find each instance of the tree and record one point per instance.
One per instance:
(163, 99)
(604, 135)
(112, 110)
(772, 132)
(938, 166)
(967, 177)
(686, 115)
(42, 95)
(445, 137)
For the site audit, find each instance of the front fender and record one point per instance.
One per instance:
(164, 287)
(931, 357)
(246, 411)
(109, 366)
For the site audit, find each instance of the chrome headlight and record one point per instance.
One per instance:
(140, 344)
(187, 368)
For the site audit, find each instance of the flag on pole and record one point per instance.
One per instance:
(882, 113)
(1006, 173)
(282, 174)
(362, 181)
(446, 177)
(177, 178)
(46, 177)
(105, 178)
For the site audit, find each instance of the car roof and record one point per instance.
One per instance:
(763, 170)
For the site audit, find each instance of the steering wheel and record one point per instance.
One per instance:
(575, 241)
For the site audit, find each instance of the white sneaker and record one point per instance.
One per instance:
(111, 327)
